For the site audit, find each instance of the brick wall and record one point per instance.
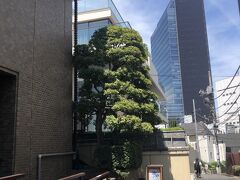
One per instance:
(36, 43)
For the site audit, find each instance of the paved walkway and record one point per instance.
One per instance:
(218, 177)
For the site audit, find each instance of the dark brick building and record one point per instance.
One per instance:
(35, 86)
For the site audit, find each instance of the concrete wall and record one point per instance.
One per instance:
(175, 165)
(36, 44)
(206, 148)
(173, 161)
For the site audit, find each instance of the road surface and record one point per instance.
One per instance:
(218, 177)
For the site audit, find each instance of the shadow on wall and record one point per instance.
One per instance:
(155, 152)
(192, 157)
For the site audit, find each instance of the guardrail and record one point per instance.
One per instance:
(75, 176)
(101, 176)
(12, 177)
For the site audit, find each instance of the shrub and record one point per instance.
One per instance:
(171, 129)
(125, 158)
(236, 170)
(223, 166)
(172, 124)
(212, 166)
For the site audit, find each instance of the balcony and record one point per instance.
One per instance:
(101, 8)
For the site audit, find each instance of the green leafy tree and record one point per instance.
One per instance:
(116, 89)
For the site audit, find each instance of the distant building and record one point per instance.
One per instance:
(207, 145)
(232, 142)
(179, 48)
(228, 104)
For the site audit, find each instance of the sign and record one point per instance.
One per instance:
(154, 172)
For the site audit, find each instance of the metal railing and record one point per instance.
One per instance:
(101, 176)
(12, 177)
(75, 176)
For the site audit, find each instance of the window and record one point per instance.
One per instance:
(86, 30)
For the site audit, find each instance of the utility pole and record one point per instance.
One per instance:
(212, 109)
(209, 101)
(196, 129)
(238, 122)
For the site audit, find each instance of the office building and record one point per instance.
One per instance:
(228, 104)
(96, 14)
(179, 48)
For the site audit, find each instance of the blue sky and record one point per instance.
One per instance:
(223, 28)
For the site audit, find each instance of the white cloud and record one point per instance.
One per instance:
(143, 15)
(223, 25)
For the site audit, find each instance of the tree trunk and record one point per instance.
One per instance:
(99, 122)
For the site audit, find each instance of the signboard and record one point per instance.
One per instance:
(154, 172)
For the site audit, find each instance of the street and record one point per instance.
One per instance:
(217, 177)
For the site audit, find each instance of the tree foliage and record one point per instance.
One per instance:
(116, 88)
(116, 91)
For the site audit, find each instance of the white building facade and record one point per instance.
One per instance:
(207, 147)
(228, 104)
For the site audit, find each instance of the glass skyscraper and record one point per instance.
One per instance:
(165, 56)
(180, 54)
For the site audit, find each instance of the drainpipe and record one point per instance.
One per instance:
(40, 156)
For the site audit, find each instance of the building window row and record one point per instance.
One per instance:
(229, 94)
(231, 123)
(230, 103)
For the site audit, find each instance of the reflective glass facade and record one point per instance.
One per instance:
(180, 54)
(165, 56)
(86, 29)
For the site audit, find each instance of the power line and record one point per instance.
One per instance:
(229, 97)
(229, 117)
(228, 84)
(230, 107)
